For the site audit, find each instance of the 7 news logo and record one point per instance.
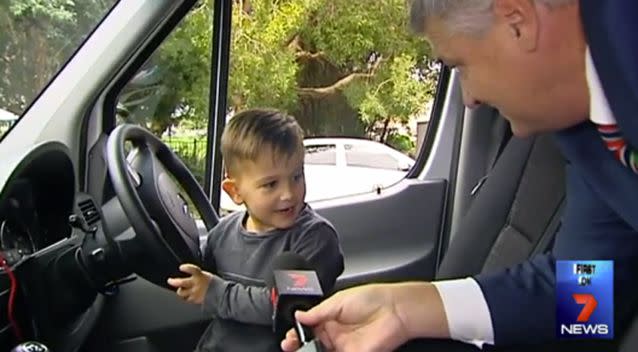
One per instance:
(584, 299)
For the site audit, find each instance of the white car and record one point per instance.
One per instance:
(7, 119)
(337, 167)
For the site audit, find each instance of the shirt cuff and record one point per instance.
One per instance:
(468, 315)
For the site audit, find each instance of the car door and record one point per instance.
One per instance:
(372, 167)
(392, 233)
(324, 172)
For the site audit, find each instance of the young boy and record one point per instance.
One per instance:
(264, 157)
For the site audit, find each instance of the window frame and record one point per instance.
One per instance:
(221, 26)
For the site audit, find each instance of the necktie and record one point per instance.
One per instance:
(616, 144)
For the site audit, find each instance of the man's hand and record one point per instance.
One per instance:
(359, 319)
(374, 318)
(193, 288)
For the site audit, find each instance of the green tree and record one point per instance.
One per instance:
(37, 38)
(340, 66)
(173, 85)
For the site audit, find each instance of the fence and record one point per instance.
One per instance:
(192, 151)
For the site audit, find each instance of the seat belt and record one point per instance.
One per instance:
(546, 240)
(507, 135)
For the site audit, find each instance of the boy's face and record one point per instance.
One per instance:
(272, 188)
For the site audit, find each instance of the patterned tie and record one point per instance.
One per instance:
(617, 145)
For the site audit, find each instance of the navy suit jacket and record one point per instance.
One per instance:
(601, 216)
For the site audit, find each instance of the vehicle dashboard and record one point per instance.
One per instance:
(42, 224)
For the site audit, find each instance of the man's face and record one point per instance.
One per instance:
(514, 67)
(272, 188)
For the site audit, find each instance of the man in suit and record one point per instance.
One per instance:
(564, 66)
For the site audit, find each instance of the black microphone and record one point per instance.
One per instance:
(295, 286)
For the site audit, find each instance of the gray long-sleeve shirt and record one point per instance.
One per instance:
(237, 298)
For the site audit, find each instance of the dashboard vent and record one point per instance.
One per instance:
(89, 211)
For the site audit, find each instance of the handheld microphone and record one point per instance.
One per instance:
(294, 286)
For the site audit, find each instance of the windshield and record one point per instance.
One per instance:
(36, 40)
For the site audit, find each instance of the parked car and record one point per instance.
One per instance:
(7, 119)
(337, 167)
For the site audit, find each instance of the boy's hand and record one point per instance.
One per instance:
(192, 289)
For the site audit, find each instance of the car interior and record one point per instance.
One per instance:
(93, 218)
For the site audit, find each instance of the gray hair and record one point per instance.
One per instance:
(464, 16)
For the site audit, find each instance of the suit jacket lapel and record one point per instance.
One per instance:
(611, 30)
(615, 184)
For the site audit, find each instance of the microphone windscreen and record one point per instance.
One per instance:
(286, 261)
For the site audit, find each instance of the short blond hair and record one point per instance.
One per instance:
(251, 132)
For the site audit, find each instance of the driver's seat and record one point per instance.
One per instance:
(515, 215)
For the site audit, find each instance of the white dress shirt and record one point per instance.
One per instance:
(468, 315)
(599, 110)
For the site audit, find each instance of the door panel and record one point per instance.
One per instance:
(144, 317)
(379, 241)
(391, 237)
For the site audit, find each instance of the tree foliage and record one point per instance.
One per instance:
(173, 85)
(37, 38)
(341, 67)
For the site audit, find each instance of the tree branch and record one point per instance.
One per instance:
(295, 43)
(335, 87)
(307, 55)
(245, 5)
(340, 84)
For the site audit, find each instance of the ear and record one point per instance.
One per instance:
(229, 185)
(521, 20)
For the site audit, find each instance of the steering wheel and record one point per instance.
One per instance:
(153, 185)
